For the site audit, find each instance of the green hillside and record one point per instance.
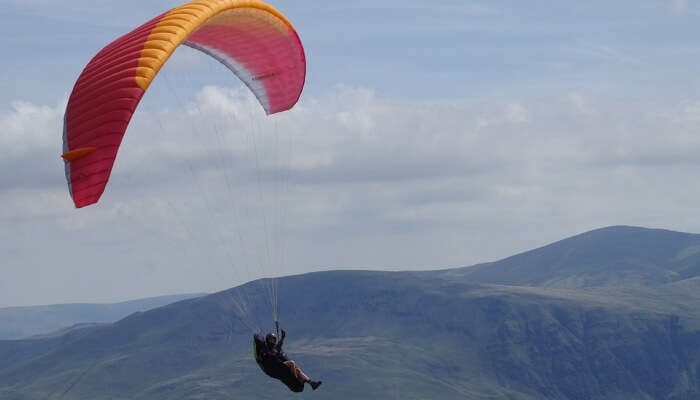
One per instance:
(613, 256)
(386, 335)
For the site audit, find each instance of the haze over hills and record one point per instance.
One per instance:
(22, 322)
(609, 314)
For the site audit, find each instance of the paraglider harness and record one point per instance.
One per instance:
(271, 362)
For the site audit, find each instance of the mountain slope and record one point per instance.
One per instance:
(22, 322)
(378, 333)
(613, 256)
(400, 335)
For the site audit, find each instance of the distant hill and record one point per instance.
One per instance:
(613, 256)
(400, 335)
(22, 322)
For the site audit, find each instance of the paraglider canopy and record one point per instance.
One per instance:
(254, 40)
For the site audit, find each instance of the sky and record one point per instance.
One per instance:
(429, 135)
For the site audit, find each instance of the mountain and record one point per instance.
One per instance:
(403, 335)
(613, 256)
(22, 322)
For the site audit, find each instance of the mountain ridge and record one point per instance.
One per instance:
(26, 321)
(611, 256)
(378, 334)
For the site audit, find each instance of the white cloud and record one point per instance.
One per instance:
(517, 113)
(28, 128)
(200, 195)
(581, 104)
(678, 6)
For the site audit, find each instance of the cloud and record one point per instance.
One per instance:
(678, 6)
(517, 113)
(581, 104)
(30, 152)
(214, 193)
